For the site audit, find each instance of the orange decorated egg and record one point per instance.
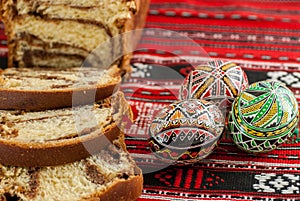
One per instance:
(218, 81)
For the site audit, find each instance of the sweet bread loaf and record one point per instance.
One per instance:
(108, 176)
(48, 33)
(34, 89)
(50, 150)
(54, 137)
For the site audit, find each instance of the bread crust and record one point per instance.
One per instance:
(37, 100)
(131, 40)
(69, 149)
(124, 184)
(57, 152)
(122, 190)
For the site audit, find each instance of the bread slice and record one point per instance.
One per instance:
(109, 175)
(34, 89)
(48, 33)
(55, 137)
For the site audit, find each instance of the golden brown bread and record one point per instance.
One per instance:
(34, 89)
(54, 137)
(134, 26)
(63, 33)
(108, 176)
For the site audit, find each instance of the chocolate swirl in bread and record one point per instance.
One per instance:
(79, 27)
(99, 177)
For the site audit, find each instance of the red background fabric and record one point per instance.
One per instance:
(263, 38)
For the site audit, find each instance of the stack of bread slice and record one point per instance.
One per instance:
(69, 151)
(61, 124)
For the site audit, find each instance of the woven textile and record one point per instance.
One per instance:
(263, 37)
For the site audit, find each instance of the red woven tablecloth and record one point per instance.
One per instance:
(261, 36)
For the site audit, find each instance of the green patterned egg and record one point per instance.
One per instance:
(263, 116)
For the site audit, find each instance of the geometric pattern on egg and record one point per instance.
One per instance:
(263, 117)
(186, 131)
(219, 82)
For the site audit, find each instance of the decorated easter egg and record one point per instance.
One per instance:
(186, 131)
(263, 116)
(218, 81)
